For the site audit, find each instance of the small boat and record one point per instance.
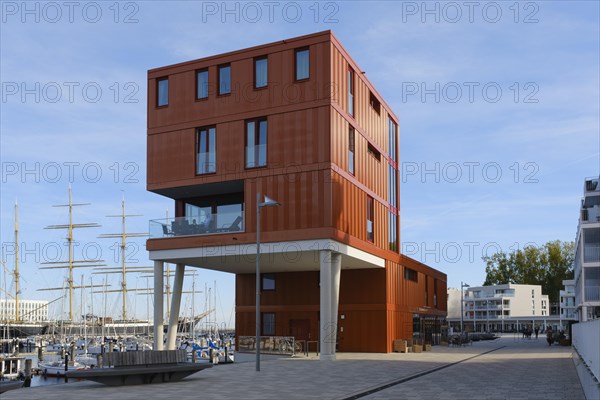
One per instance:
(57, 368)
(220, 354)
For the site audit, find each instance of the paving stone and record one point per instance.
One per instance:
(515, 370)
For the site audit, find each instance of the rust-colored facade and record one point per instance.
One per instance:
(316, 136)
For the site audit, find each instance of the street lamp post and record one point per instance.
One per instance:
(267, 203)
(462, 313)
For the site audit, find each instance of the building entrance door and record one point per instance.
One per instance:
(300, 329)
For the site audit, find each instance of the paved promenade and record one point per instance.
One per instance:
(507, 368)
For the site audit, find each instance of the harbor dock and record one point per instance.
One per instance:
(506, 368)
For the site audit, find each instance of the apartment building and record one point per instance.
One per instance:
(568, 308)
(293, 130)
(587, 253)
(29, 310)
(500, 308)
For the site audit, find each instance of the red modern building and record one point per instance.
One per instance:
(298, 121)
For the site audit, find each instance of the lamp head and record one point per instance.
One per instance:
(269, 202)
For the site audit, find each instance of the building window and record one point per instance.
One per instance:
(256, 143)
(351, 150)
(350, 92)
(373, 152)
(374, 103)
(202, 84)
(370, 218)
(411, 275)
(162, 92)
(206, 150)
(268, 324)
(393, 231)
(224, 79)
(268, 282)
(261, 72)
(392, 140)
(302, 64)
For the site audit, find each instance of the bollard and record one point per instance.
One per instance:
(194, 355)
(73, 353)
(28, 363)
(40, 354)
(66, 367)
(110, 347)
(226, 359)
(99, 360)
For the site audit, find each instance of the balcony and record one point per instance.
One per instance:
(591, 253)
(226, 222)
(591, 185)
(592, 293)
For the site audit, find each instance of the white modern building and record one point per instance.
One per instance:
(500, 308)
(29, 310)
(587, 290)
(587, 253)
(568, 309)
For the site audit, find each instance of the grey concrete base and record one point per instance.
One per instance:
(327, 357)
(138, 375)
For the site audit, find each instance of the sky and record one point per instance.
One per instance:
(498, 103)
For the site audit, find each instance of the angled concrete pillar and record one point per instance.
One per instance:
(158, 304)
(175, 303)
(330, 269)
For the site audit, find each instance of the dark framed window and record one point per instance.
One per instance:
(261, 72)
(256, 143)
(351, 145)
(267, 282)
(392, 231)
(162, 92)
(224, 79)
(206, 154)
(392, 140)
(350, 91)
(202, 84)
(370, 218)
(374, 103)
(268, 324)
(411, 275)
(373, 152)
(302, 63)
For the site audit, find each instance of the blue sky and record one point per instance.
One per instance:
(498, 105)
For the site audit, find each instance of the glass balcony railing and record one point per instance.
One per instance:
(228, 222)
(591, 253)
(592, 293)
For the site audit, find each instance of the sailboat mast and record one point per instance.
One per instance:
(70, 242)
(123, 269)
(16, 272)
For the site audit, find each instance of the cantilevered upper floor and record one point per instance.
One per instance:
(296, 120)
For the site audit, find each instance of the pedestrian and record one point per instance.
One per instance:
(536, 330)
(549, 336)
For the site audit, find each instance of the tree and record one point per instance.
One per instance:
(547, 265)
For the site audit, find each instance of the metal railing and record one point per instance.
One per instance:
(592, 293)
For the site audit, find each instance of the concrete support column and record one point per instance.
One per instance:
(158, 304)
(175, 304)
(330, 270)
